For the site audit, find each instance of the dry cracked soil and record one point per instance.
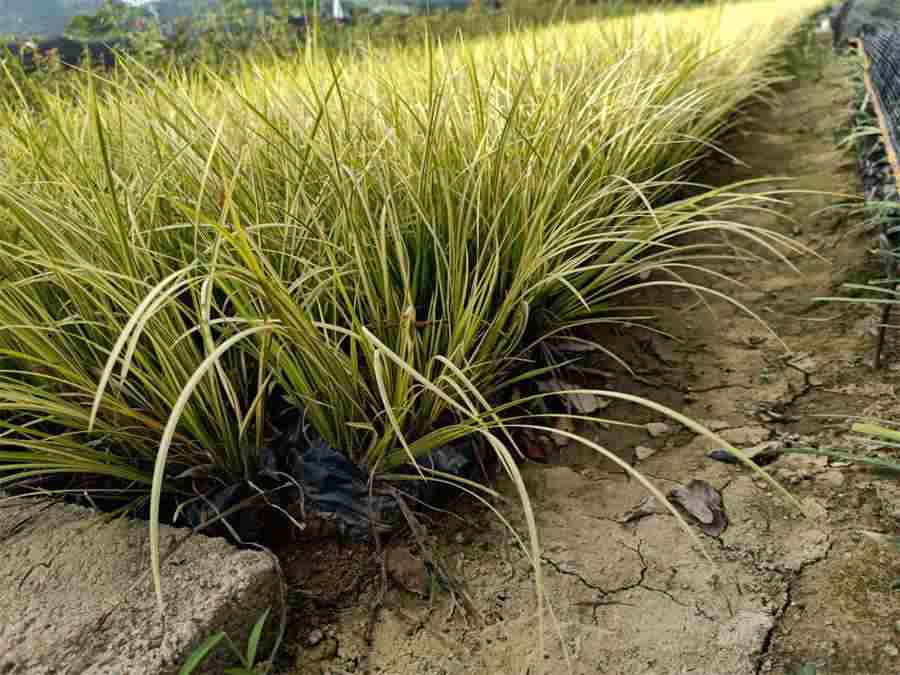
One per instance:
(777, 592)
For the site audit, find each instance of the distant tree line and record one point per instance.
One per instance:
(192, 31)
(166, 28)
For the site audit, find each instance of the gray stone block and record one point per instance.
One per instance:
(75, 595)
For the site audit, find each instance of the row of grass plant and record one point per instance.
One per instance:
(389, 240)
(220, 41)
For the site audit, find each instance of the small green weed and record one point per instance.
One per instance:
(247, 659)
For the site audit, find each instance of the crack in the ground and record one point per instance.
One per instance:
(605, 592)
(607, 595)
(719, 387)
(658, 477)
(663, 591)
(773, 629)
(808, 385)
(570, 573)
(776, 411)
(791, 580)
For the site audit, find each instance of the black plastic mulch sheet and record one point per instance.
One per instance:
(301, 469)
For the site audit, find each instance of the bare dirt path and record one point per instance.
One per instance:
(785, 592)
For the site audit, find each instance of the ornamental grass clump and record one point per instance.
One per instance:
(389, 242)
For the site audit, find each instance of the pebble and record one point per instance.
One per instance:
(746, 435)
(791, 477)
(897, 626)
(459, 538)
(326, 649)
(891, 650)
(813, 508)
(833, 478)
(658, 429)
(315, 637)
(643, 452)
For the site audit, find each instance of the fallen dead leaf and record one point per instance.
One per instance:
(656, 429)
(584, 403)
(642, 452)
(702, 501)
(646, 507)
(407, 570)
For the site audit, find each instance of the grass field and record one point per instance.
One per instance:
(393, 241)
